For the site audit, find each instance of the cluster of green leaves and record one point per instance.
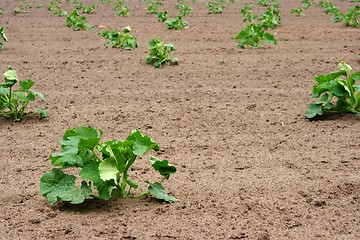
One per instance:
(161, 53)
(90, 9)
(297, 11)
(254, 33)
(54, 7)
(184, 9)
(176, 23)
(350, 18)
(336, 92)
(216, 7)
(162, 16)
(103, 166)
(23, 8)
(117, 39)
(306, 4)
(2, 37)
(77, 22)
(153, 6)
(247, 13)
(123, 10)
(14, 102)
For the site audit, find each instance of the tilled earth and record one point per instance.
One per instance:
(250, 166)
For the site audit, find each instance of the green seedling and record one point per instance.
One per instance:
(185, 10)
(176, 23)
(247, 13)
(79, 6)
(124, 11)
(77, 22)
(215, 7)
(306, 4)
(161, 53)
(253, 35)
(352, 17)
(120, 40)
(104, 166)
(153, 7)
(271, 17)
(13, 103)
(162, 16)
(118, 5)
(53, 6)
(336, 92)
(298, 12)
(60, 13)
(1, 11)
(2, 37)
(40, 5)
(90, 9)
(264, 3)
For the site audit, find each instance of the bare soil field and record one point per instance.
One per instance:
(250, 166)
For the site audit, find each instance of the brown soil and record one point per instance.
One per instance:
(249, 164)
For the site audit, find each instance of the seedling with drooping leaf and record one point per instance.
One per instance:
(13, 103)
(117, 39)
(247, 13)
(176, 23)
(2, 37)
(162, 16)
(253, 35)
(336, 92)
(161, 53)
(77, 22)
(104, 166)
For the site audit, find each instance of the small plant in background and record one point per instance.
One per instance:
(271, 17)
(161, 53)
(176, 23)
(1, 11)
(336, 92)
(253, 35)
(2, 37)
(124, 11)
(117, 39)
(105, 166)
(184, 10)
(306, 4)
(53, 6)
(14, 102)
(40, 5)
(162, 16)
(298, 12)
(153, 6)
(351, 18)
(247, 13)
(215, 7)
(90, 9)
(60, 13)
(77, 22)
(105, 2)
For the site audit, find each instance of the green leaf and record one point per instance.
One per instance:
(43, 113)
(269, 38)
(26, 85)
(314, 110)
(162, 166)
(131, 184)
(10, 74)
(142, 143)
(158, 191)
(57, 186)
(345, 67)
(108, 170)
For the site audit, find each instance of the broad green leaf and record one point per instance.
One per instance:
(26, 85)
(57, 186)
(142, 143)
(162, 166)
(108, 170)
(314, 110)
(158, 191)
(345, 67)
(4, 91)
(91, 172)
(10, 74)
(269, 38)
(40, 95)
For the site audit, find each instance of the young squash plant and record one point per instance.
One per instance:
(77, 22)
(13, 103)
(161, 53)
(104, 166)
(336, 92)
(247, 13)
(176, 23)
(117, 39)
(253, 35)
(162, 16)
(2, 37)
